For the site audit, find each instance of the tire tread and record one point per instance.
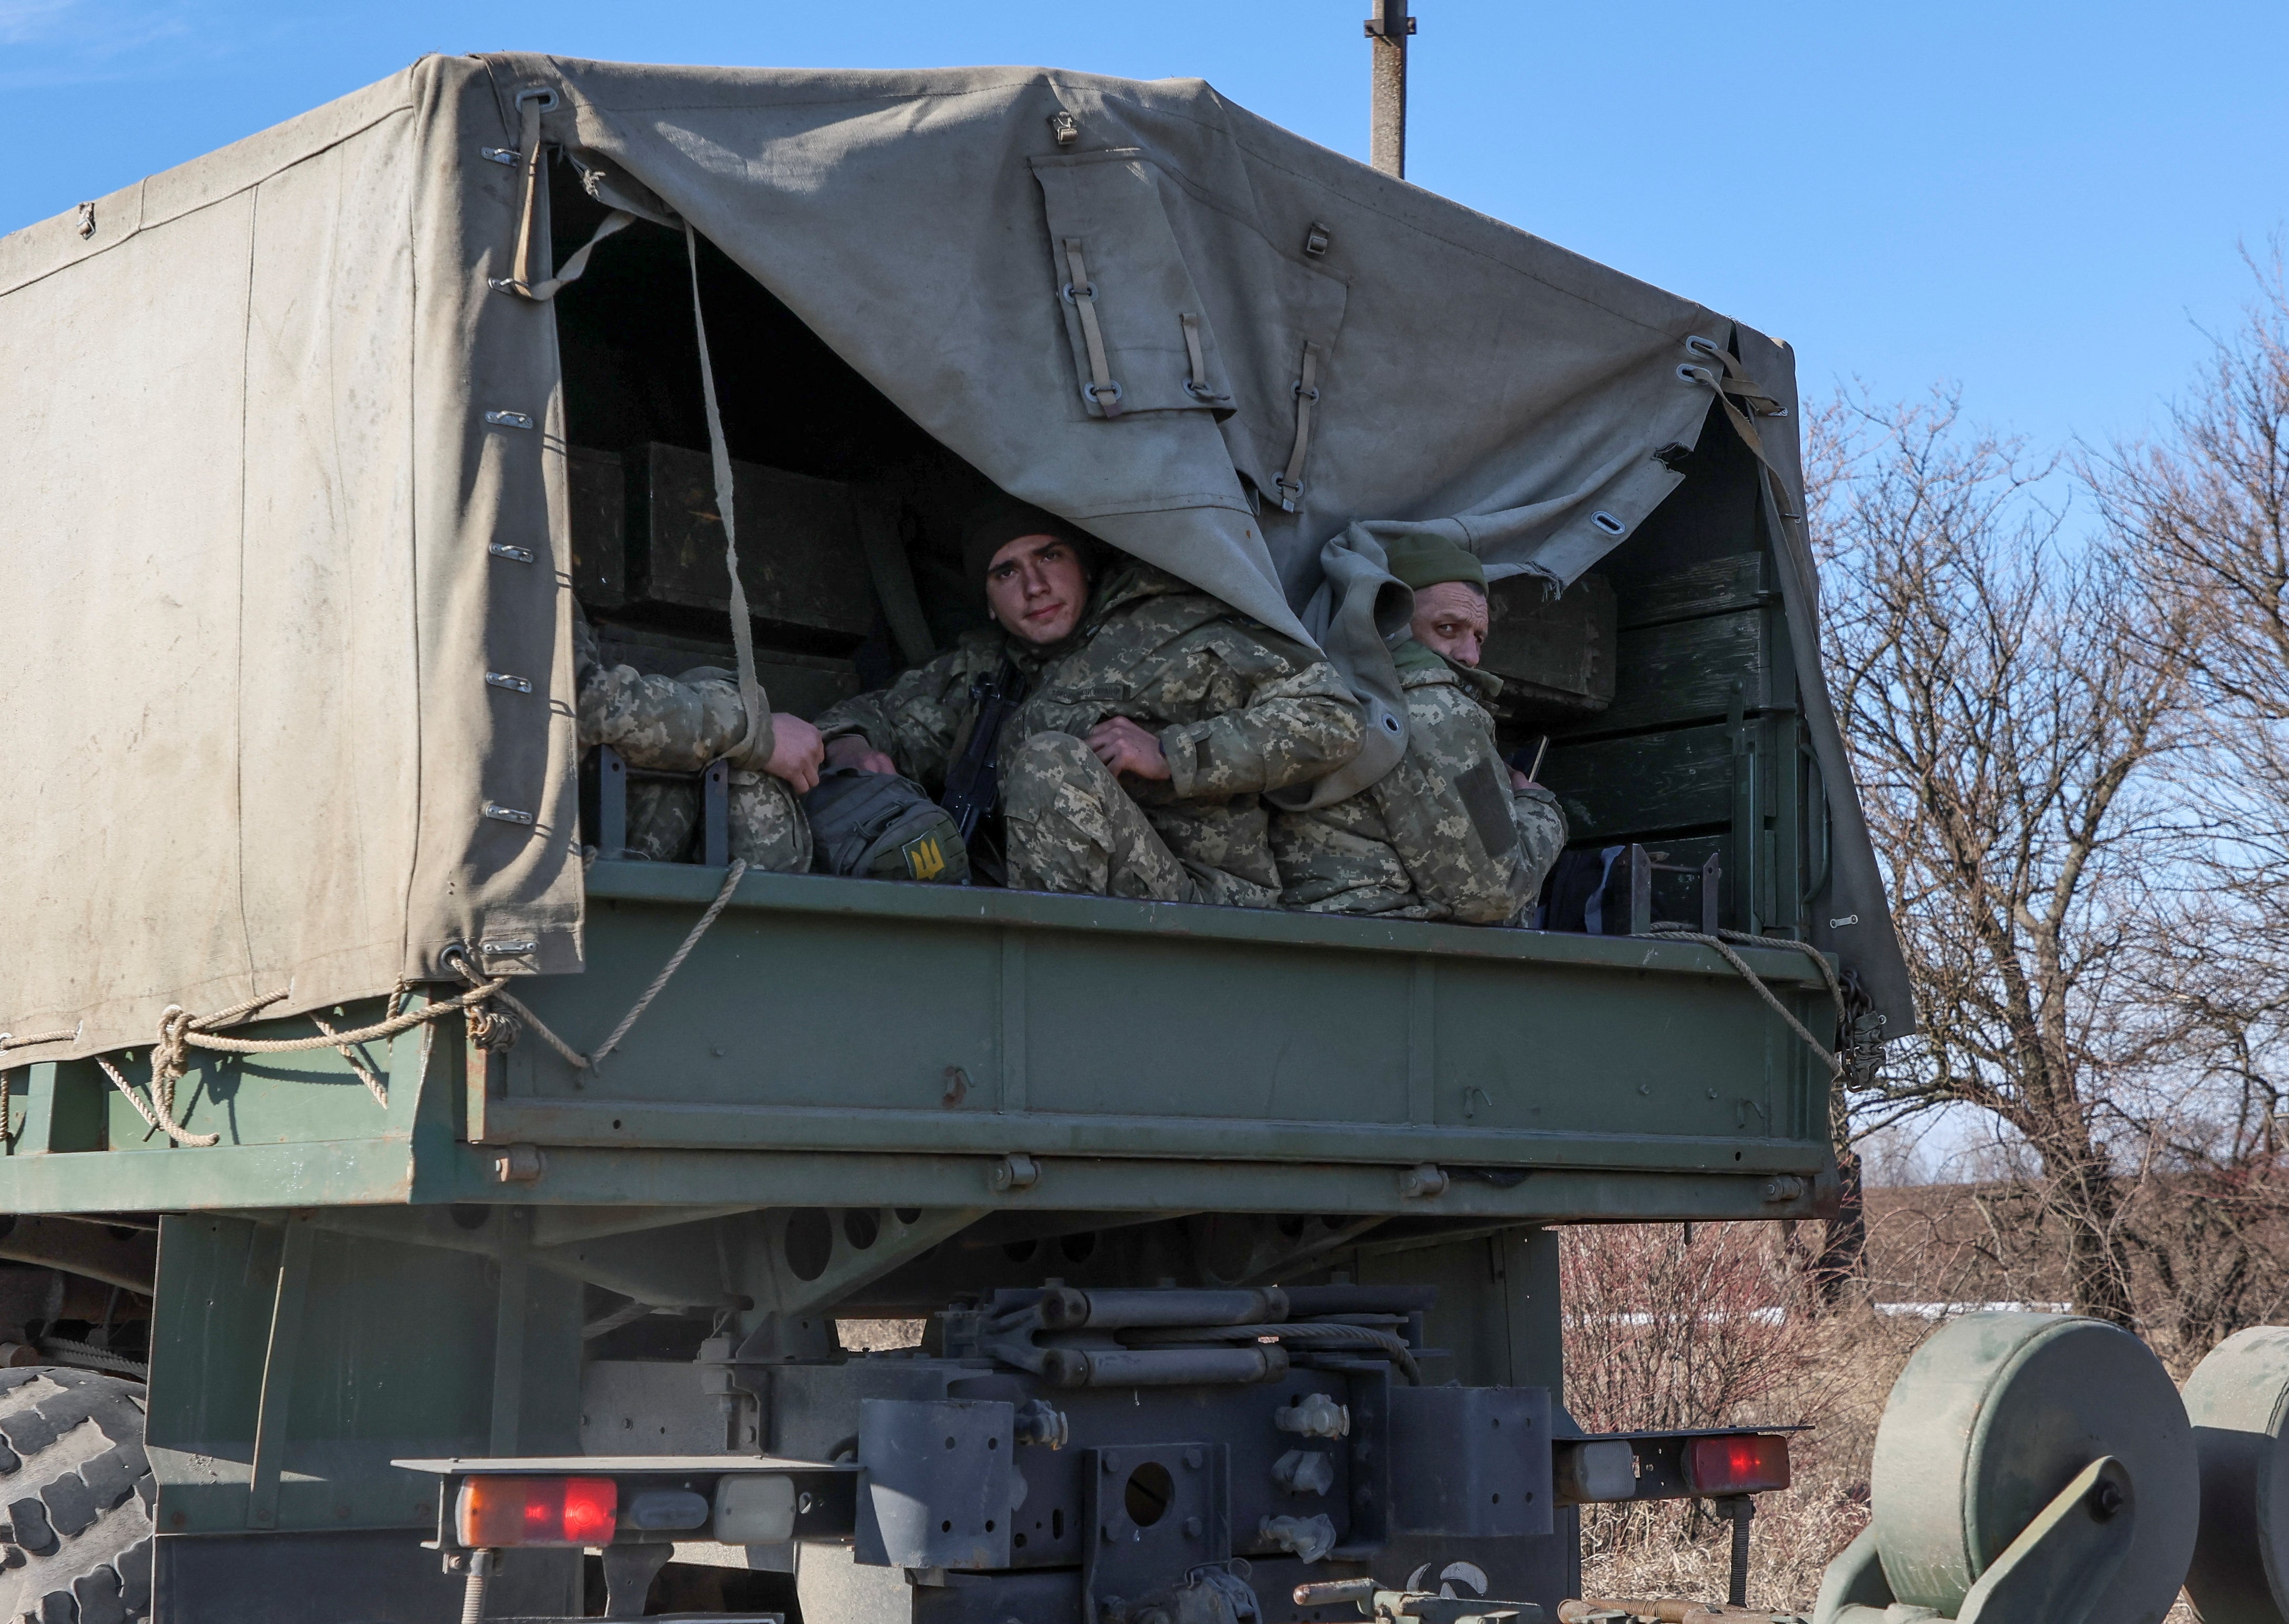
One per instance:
(79, 1528)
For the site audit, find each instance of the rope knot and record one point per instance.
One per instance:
(493, 1028)
(169, 1051)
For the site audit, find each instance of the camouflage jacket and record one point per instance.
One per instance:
(1237, 709)
(668, 724)
(1442, 835)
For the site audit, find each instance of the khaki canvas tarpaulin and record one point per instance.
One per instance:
(250, 541)
(294, 586)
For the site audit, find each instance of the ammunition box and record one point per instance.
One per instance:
(659, 550)
(1554, 654)
(596, 496)
(804, 684)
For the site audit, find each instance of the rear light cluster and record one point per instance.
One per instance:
(496, 1511)
(748, 1509)
(1739, 1463)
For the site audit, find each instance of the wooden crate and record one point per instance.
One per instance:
(658, 550)
(1554, 654)
(596, 494)
(1701, 750)
(804, 684)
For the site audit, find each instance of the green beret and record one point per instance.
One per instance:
(1424, 560)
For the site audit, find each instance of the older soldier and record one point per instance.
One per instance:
(1135, 722)
(681, 724)
(1452, 832)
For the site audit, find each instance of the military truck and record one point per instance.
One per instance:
(415, 1203)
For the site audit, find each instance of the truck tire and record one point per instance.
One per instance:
(76, 1492)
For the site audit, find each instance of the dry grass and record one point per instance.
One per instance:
(1663, 1334)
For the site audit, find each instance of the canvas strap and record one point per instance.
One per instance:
(532, 162)
(1731, 387)
(618, 219)
(1080, 293)
(1197, 385)
(755, 747)
(894, 578)
(1307, 396)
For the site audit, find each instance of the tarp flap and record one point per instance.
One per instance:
(1469, 377)
(1847, 913)
(921, 224)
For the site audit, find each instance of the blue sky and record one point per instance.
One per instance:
(2041, 202)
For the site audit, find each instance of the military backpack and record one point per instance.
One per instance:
(880, 826)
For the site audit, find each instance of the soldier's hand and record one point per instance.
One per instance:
(796, 752)
(1127, 748)
(852, 750)
(1520, 781)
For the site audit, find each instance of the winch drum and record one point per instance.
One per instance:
(1993, 1417)
(2238, 1399)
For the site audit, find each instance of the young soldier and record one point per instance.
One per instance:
(1130, 724)
(681, 724)
(1452, 832)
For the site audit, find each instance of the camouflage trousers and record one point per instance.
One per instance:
(1072, 827)
(1541, 833)
(767, 828)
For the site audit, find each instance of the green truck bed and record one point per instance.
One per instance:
(856, 1042)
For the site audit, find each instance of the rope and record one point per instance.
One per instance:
(722, 899)
(589, 1063)
(180, 1030)
(159, 1116)
(1678, 933)
(374, 1085)
(178, 1027)
(10, 1041)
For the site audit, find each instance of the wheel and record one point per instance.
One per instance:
(2238, 1399)
(78, 1494)
(1998, 1413)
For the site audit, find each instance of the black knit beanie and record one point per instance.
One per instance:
(1001, 522)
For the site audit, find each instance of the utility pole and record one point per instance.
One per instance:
(1386, 32)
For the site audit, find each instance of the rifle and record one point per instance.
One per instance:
(973, 784)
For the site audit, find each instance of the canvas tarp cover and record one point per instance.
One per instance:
(275, 546)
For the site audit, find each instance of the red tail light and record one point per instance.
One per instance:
(495, 1511)
(1740, 1464)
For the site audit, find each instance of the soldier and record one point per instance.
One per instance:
(1131, 722)
(1452, 832)
(681, 724)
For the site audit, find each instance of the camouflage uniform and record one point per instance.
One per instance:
(681, 724)
(1238, 710)
(1442, 835)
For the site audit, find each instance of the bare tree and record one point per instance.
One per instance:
(2204, 514)
(2205, 511)
(2009, 701)
(2209, 506)
(2210, 1208)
